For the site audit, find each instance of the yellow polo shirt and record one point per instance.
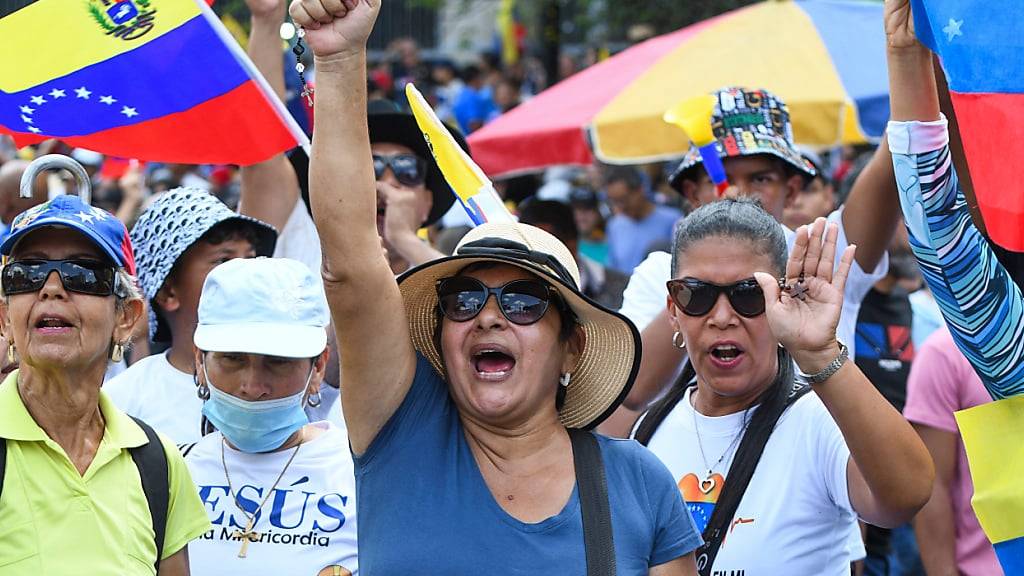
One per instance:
(55, 521)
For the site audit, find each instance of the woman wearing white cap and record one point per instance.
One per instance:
(279, 490)
(469, 415)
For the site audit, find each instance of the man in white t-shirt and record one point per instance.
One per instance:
(181, 237)
(754, 138)
(278, 488)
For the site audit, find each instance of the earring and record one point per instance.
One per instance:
(564, 379)
(117, 353)
(678, 341)
(11, 356)
(202, 390)
(314, 399)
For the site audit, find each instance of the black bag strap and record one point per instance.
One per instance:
(151, 460)
(748, 454)
(660, 410)
(3, 463)
(598, 541)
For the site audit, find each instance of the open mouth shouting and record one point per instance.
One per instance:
(492, 362)
(53, 324)
(726, 355)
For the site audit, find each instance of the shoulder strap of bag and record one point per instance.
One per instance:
(748, 454)
(660, 410)
(151, 460)
(594, 507)
(3, 463)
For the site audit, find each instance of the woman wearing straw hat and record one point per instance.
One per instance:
(470, 385)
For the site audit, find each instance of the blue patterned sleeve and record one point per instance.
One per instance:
(980, 302)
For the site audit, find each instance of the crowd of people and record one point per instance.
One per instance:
(296, 367)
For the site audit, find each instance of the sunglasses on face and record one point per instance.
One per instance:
(409, 169)
(697, 298)
(522, 302)
(90, 277)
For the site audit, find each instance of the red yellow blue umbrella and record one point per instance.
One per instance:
(825, 58)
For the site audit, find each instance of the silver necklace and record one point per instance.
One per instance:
(708, 483)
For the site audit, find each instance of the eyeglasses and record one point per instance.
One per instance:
(82, 276)
(409, 169)
(697, 298)
(522, 302)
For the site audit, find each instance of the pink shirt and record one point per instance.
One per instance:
(942, 382)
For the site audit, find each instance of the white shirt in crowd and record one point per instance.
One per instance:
(161, 395)
(308, 523)
(796, 516)
(644, 297)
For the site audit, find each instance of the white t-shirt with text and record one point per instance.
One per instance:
(796, 516)
(307, 524)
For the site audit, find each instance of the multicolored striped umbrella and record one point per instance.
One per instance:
(826, 58)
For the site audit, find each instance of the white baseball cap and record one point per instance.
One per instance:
(270, 306)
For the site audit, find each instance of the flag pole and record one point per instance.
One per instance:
(264, 86)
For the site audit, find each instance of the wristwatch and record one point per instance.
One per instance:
(827, 371)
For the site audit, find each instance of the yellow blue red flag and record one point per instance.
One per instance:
(149, 79)
(473, 189)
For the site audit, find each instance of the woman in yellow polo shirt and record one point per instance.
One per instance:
(78, 479)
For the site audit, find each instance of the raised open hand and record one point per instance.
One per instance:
(804, 315)
(335, 27)
(899, 25)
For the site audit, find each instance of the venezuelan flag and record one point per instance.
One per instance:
(148, 79)
(983, 56)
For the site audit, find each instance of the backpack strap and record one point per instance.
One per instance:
(748, 454)
(151, 460)
(3, 463)
(598, 541)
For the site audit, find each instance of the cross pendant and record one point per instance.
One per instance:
(247, 535)
(799, 290)
(307, 93)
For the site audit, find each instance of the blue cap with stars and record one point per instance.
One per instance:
(96, 224)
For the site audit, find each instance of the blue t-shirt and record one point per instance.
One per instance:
(629, 240)
(424, 507)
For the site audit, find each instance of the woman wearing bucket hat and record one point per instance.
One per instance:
(738, 425)
(181, 237)
(83, 485)
(467, 414)
(279, 489)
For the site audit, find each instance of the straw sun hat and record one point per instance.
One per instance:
(611, 355)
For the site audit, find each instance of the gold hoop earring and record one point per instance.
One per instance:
(678, 341)
(117, 353)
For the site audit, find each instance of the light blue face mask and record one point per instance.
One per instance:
(259, 426)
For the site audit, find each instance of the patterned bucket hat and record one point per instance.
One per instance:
(168, 228)
(746, 123)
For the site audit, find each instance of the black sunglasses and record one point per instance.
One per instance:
(82, 276)
(522, 302)
(697, 298)
(409, 169)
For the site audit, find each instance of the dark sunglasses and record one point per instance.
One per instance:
(522, 302)
(409, 169)
(82, 276)
(697, 298)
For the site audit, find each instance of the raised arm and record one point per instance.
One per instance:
(377, 357)
(871, 213)
(270, 189)
(981, 303)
